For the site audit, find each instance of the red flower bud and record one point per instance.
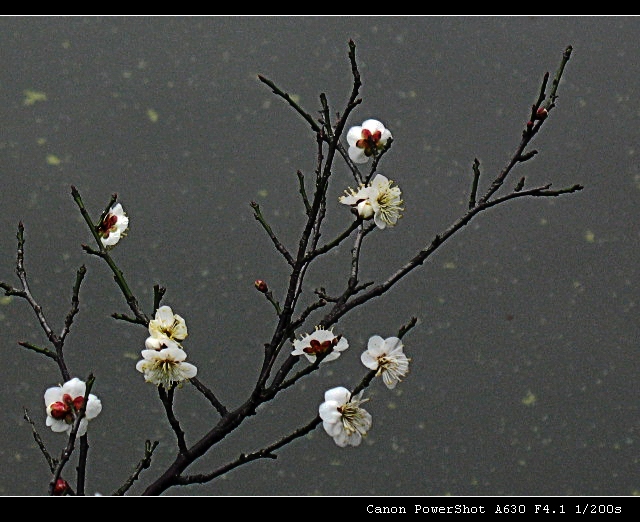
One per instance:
(59, 410)
(61, 487)
(261, 286)
(78, 402)
(541, 113)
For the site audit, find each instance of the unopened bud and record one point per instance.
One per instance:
(261, 286)
(59, 410)
(541, 113)
(529, 125)
(61, 487)
(365, 209)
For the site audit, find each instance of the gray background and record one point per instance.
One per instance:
(524, 361)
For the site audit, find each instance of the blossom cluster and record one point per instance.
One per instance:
(379, 199)
(342, 417)
(163, 360)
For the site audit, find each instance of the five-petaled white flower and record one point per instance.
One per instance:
(63, 403)
(343, 418)
(166, 325)
(366, 140)
(386, 356)
(379, 199)
(166, 366)
(319, 342)
(114, 226)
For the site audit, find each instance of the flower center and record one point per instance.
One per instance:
(108, 225)
(166, 372)
(390, 205)
(66, 409)
(370, 142)
(167, 366)
(170, 330)
(318, 347)
(352, 419)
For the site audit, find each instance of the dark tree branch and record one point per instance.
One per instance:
(166, 396)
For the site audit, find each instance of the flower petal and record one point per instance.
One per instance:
(164, 315)
(341, 439)
(331, 357)
(380, 223)
(376, 345)
(174, 353)
(357, 155)
(52, 395)
(369, 360)
(82, 428)
(188, 370)
(373, 125)
(392, 345)
(380, 182)
(340, 395)
(75, 387)
(94, 407)
(353, 135)
(56, 425)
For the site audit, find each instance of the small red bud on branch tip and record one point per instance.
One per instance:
(60, 487)
(541, 113)
(261, 286)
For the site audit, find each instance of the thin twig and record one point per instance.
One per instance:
(51, 461)
(75, 303)
(209, 395)
(406, 327)
(531, 129)
(474, 185)
(44, 351)
(303, 192)
(276, 90)
(257, 213)
(145, 462)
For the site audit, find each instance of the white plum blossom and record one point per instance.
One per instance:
(114, 226)
(63, 403)
(366, 140)
(387, 357)
(166, 325)
(343, 418)
(319, 342)
(166, 366)
(378, 200)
